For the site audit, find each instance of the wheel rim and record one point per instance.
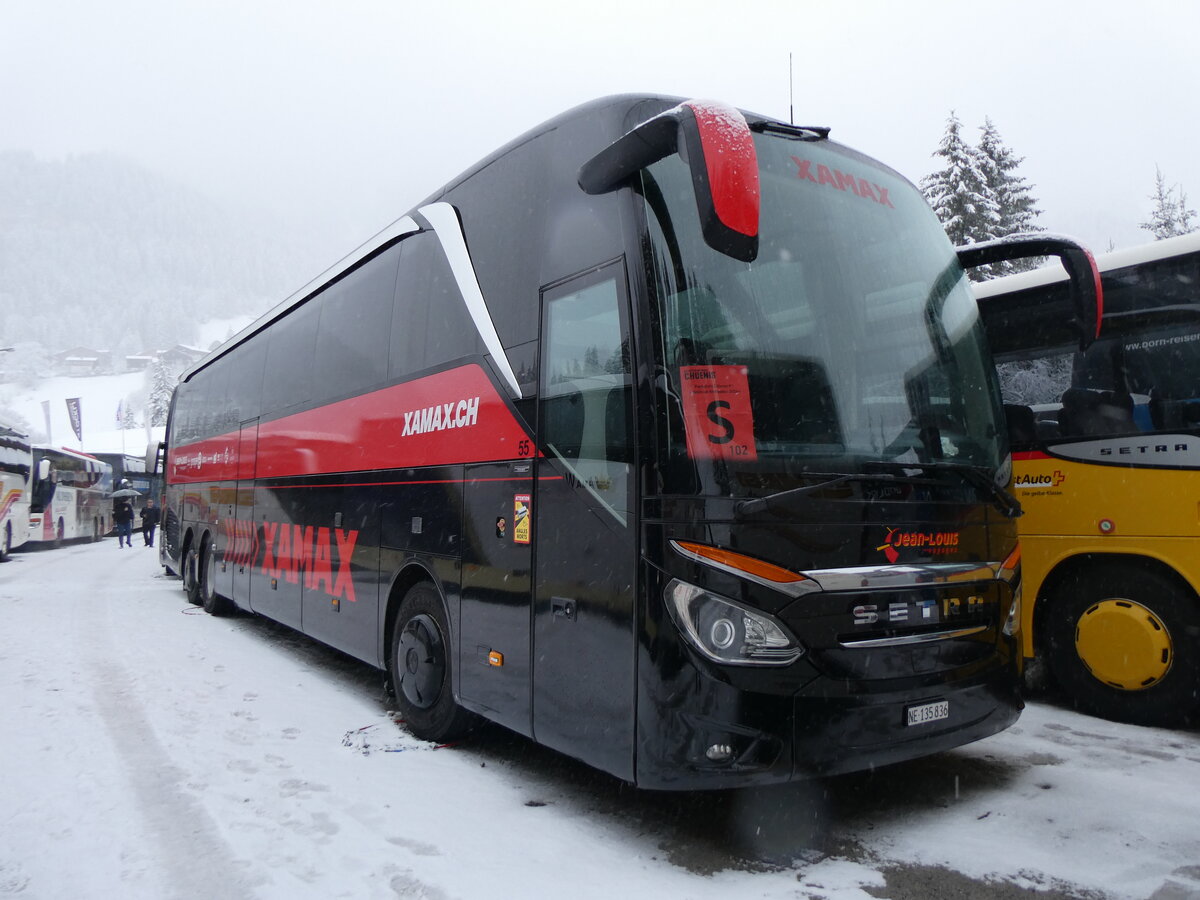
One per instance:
(1123, 644)
(210, 573)
(421, 661)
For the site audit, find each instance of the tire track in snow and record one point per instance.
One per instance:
(193, 860)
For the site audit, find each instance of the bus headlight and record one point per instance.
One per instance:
(727, 632)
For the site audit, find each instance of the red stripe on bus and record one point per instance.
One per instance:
(452, 417)
(1024, 455)
(285, 487)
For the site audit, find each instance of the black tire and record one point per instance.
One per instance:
(60, 533)
(214, 604)
(6, 543)
(419, 663)
(1155, 680)
(95, 530)
(191, 575)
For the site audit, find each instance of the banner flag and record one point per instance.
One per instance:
(76, 415)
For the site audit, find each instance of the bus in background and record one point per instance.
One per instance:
(129, 471)
(1106, 456)
(666, 436)
(70, 496)
(131, 468)
(16, 467)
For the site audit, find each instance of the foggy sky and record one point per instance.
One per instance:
(333, 118)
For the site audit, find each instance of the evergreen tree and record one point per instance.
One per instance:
(1014, 195)
(960, 194)
(1170, 216)
(162, 384)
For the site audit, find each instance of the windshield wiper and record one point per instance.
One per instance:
(1008, 505)
(776, 500)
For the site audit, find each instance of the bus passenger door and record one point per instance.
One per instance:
(277, 515)
(584, 610)
(239, 529)
(495, 601)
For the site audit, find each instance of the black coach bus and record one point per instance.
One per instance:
(667, 436)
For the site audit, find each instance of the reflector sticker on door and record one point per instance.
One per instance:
(522, 525)
(716, 412)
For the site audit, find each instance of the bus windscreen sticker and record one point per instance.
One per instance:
(716, 412)
(521, 522)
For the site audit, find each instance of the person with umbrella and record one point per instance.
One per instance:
(123, 514)
(123, 519)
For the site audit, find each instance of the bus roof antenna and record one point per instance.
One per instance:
(791, 93)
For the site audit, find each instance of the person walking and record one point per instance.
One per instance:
(123, 519)
(149, 521)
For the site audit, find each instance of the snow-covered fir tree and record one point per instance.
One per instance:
(959, 191)
(1014, 195)
(162, 384)
(1170, 216)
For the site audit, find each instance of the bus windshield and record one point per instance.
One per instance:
(852, 339)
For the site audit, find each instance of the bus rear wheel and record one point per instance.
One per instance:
(1124, 644)
(214, 604)
(419, 663)
(191, 575)
(6, 543)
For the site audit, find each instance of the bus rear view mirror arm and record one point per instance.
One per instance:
(1086, 293)
(715, 142)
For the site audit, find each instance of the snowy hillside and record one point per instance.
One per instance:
(125, 258)
(101, 397)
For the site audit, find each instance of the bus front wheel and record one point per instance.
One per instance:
(1124, 645)
(419, 663)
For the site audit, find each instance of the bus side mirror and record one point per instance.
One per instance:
(154, 455)
(43, 469)
(715, 142)
(1086, 293)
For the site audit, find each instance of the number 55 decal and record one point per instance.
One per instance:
(716, 412)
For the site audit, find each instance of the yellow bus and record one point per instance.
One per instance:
(1106, 464)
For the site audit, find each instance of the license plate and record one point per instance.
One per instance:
(928, 712)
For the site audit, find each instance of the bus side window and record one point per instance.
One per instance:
(1022, 426)
(354, 331)
(586, 394)
(290, 352)
(430, 323)
(1088, 413)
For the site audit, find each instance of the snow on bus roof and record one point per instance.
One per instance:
(1105, 262)
(78, 454)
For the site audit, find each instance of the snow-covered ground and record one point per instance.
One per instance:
(148, 750)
